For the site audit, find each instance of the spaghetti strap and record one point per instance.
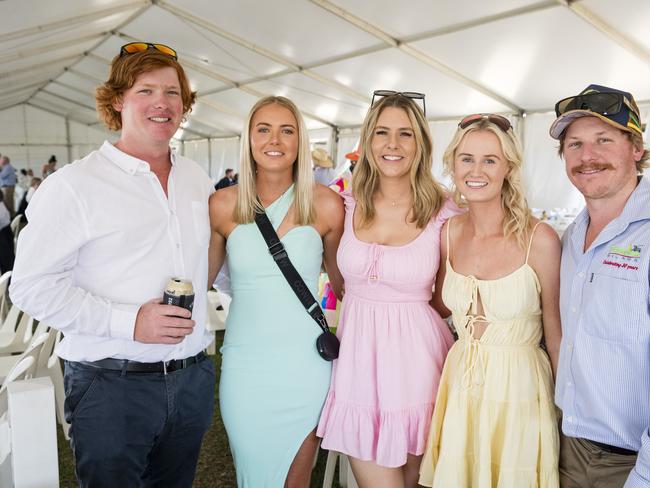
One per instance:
(530, 243)
(448, 248)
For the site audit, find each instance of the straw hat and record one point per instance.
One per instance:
(321, 158)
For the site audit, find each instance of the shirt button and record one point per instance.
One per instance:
(570, 420)
(178, 245)
(573, 309)
(581, 275)
(568, 383)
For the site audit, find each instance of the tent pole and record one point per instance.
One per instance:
(67, 139)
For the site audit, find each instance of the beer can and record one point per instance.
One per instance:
(179, 292)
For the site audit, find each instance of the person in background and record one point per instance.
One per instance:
(105, 235)
(49, 167)
(393, 343)
(6, 239)
(323, 167)
(494, 422)
(27, 196)
(8, 180)
(226, 181)
(603, 381)
(273, 382)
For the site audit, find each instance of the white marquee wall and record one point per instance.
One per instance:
(29, 136)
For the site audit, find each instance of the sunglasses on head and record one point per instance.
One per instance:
(603, 103)
(408, 94)
(138, 47)
(499, 120)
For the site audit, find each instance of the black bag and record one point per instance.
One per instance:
(327, 344)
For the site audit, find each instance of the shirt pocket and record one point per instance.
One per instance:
(201, 219)
(616, 306)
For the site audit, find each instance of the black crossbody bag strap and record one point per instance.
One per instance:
(281, 258)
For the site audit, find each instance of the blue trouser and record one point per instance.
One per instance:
(138, 429)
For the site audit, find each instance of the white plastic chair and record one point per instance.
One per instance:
(216, 319)
(16, 332)
(4, 302)
(55, 372)
(24, 369)
(15, 228)
(346, 477)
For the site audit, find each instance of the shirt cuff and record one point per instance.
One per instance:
(122, 323)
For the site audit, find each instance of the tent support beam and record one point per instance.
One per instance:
(413, 52)
(294, 68)
(79, 19)
(608, 29)
(217, 76)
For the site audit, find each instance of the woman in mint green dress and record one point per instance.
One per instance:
(273, 382)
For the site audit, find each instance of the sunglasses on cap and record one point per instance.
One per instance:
(499, 120)
(408, 94)
(603, 103)
(138, 47)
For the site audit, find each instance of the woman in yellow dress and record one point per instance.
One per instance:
(494, 422)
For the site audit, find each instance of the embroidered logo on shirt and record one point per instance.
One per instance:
(624, 257)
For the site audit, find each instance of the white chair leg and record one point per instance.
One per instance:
(351, 481)
(330, 466)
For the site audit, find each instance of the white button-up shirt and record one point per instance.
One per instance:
(103, 239)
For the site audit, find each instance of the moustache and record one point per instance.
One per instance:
(591, 167)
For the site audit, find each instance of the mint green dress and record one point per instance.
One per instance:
(273, 382)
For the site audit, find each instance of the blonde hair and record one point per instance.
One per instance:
(517, 218)
(247, 202)
(428, 194)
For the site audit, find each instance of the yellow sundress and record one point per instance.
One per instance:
(494, 422)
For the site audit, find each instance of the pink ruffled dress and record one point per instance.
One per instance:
(393, 346)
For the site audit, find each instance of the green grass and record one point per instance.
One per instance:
(215, 468)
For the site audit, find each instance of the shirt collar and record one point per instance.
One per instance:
(127, 163)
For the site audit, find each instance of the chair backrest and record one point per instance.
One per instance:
(15, 223)
(4, 303)
(46, 350)
(16, 338)
(25, 367)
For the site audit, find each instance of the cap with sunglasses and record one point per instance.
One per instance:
(138, 47)
(615, 107)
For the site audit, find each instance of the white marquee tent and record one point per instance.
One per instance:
(516, 57)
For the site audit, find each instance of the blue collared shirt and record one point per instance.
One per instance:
(7, 175)
(603, 379)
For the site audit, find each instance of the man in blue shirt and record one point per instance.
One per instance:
(8, 183)
(603, 379)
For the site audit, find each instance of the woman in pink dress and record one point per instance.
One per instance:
(393, 344)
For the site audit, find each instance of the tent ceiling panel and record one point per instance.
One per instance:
(25, 14)
(79, 83)
(67, 91)
(56, 103)
(394, 70)
(35, 61)
(630, 17)
(92, 67)
(317, 98)
(534, 65)
(295, 30)
(198, 45)
(219, 119)
(71, 29)
(402, 20)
